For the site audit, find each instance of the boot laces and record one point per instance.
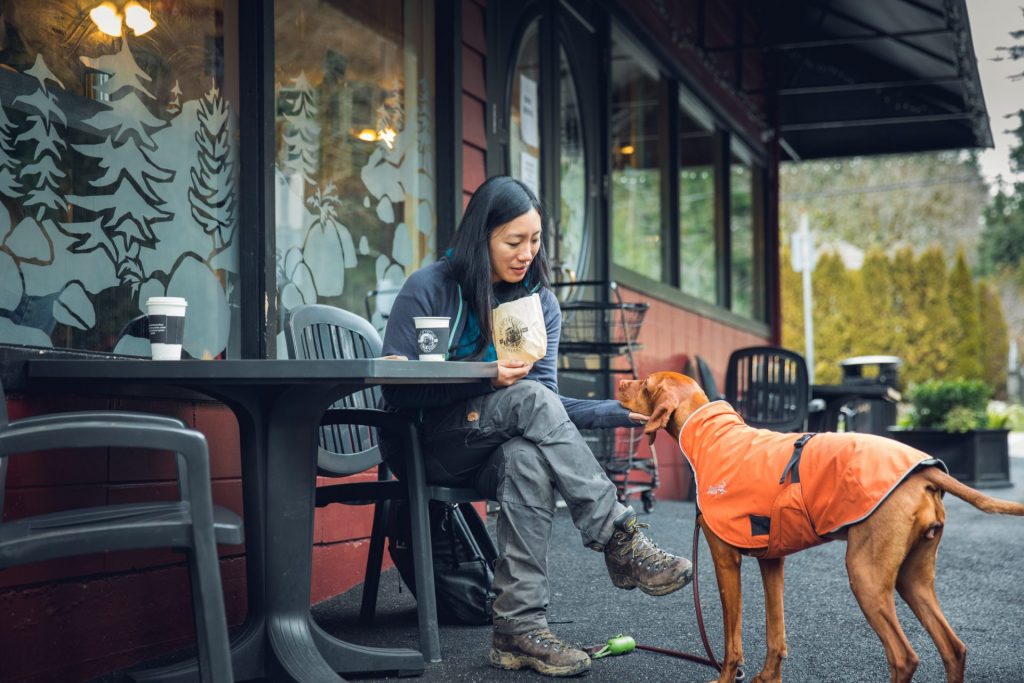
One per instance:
(642, 548)
(546, 638)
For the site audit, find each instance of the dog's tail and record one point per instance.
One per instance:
(946, 483)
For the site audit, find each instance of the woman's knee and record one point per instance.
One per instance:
(534, 398)
(525, 476)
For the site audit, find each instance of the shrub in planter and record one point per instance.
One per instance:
(952, 405)
(949, 421)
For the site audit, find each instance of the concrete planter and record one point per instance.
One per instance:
(979, 458)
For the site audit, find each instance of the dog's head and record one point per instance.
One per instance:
(660, 395)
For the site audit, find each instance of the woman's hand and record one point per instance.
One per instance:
(510, 372)
(638, 418)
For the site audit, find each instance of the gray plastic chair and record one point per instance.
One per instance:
(192, 523)
(349, 445)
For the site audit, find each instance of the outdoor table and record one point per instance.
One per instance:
(838, 395)
(278, 405)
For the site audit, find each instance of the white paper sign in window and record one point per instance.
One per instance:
(528, 111)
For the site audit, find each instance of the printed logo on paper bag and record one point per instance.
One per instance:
(513, 335)
(166, 329)
(427, 340)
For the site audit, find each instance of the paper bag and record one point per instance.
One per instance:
(519, 331)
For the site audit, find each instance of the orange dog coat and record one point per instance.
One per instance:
(839, 480)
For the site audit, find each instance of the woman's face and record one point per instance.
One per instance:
(513, 247)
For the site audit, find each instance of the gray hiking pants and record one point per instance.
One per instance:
(517, 446)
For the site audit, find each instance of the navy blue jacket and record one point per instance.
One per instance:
(433, 291)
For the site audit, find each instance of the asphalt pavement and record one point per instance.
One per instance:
(980, 584)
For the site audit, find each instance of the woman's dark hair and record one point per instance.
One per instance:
(499, 200)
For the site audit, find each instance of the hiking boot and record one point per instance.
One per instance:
(540, 650)
(635, 561)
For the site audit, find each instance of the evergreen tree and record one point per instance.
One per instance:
(300, 155)
(903, 307)
(9, 185)
(872, 304)
(994, 339)
(212, 191)
(832, 329)
(127, 212)
(932, 326)
(963, 307)
(43, 175)
(792, 303)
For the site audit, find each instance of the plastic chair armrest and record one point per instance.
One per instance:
(98, 416)
(371, 417)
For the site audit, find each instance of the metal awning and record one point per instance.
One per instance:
(873, 77)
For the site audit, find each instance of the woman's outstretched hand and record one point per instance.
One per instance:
(510, 372)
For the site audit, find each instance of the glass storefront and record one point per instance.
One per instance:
(354, 172)
(697, 258)
(635, 161)
(524, 145)
(119, 167)
(118, 171)
(572, 250)
(741, 229)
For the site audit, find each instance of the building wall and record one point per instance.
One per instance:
(474, 97)
(108, 612)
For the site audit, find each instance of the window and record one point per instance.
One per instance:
(572, 248)
(636, 161)
(118, 174)
(697, 256)
(354, 175)
(525, 111)
(741, 230)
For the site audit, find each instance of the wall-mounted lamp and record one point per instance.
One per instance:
(108, 19)
(627, 149)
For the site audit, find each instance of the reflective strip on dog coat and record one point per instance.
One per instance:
(842, 478)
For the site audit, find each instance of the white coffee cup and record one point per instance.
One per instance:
(432, 337)
(166, 326)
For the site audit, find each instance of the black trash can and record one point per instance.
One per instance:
(875, 415)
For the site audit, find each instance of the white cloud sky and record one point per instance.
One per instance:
(991, 23)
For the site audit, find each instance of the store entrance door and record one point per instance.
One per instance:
(546, 119)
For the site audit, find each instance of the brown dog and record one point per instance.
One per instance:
(892, 548)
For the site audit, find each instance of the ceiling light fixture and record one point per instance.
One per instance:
(106, 18)
(138, 18)
(109, 20)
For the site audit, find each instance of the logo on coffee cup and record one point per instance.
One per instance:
(427, 340)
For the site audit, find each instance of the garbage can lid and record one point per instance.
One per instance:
(872, 360)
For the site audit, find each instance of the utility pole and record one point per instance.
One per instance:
(803, 262)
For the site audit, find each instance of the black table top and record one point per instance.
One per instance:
(369, 371)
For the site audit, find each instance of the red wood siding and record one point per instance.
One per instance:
(474, 97)
(670, 336)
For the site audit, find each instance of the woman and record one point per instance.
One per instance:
(513, 436)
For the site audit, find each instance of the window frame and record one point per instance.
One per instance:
(680, 91)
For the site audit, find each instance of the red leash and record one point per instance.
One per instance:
(710, 659)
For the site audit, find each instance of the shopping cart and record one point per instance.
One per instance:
(597, 322)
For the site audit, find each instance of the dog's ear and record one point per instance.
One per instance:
(663, 407)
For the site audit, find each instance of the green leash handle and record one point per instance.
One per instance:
(617, 645)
